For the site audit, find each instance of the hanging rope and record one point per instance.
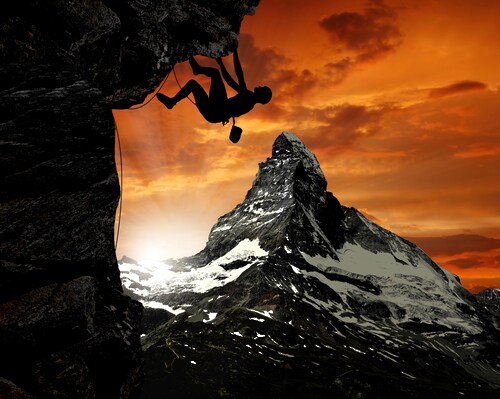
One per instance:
(120, 147)
(120, 205)
(180, 87)
(121, 185)
(154, 94)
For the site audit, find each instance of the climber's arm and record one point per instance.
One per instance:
(239, 71)
(227, 77)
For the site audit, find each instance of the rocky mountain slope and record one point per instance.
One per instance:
(66, 329)
(295, 295)
(489, 299)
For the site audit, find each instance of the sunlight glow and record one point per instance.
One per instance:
(427, 165)
(151, 252)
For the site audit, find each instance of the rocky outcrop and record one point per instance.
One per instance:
(489, 299)
(66, 330)
(124, 48)
(63, 333)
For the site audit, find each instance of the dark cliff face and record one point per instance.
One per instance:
(124, 48)
(63, 66)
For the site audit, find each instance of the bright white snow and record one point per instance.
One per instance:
(243, 250)
(211, 316)
(265, 313)
(161, 279)
(159, 305)
(420, 290)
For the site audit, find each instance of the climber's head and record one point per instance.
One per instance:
(263, 94)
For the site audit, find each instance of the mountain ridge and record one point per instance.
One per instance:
(291, 173)
(293, 283)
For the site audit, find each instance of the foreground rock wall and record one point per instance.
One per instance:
(66, 330)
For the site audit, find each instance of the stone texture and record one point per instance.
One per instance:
(73, 340)
(124, 47)
(288, 196)
(53, 311)
(60, 188)
(63, 66)
(489, 299)
(10, 390)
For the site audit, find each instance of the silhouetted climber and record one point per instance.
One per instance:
(216, 106)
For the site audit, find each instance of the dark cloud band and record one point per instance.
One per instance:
(457, 88)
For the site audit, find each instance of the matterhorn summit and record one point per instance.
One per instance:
(287, 208)
(295, 295)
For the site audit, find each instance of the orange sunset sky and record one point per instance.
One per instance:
(398, 99)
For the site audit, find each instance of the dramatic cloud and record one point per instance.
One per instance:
(262, 65)
(476, 285)
(342, 126)
(478, 150)
(457, 88)
(266, 66)
(372, 32)
(472, 263)
(365, 37)
(340, 69)
(465, 263)
(455, 244)
(475, 258)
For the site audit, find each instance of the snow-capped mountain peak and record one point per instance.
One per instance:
(287, 206)
(293, 284)
(289, 146)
